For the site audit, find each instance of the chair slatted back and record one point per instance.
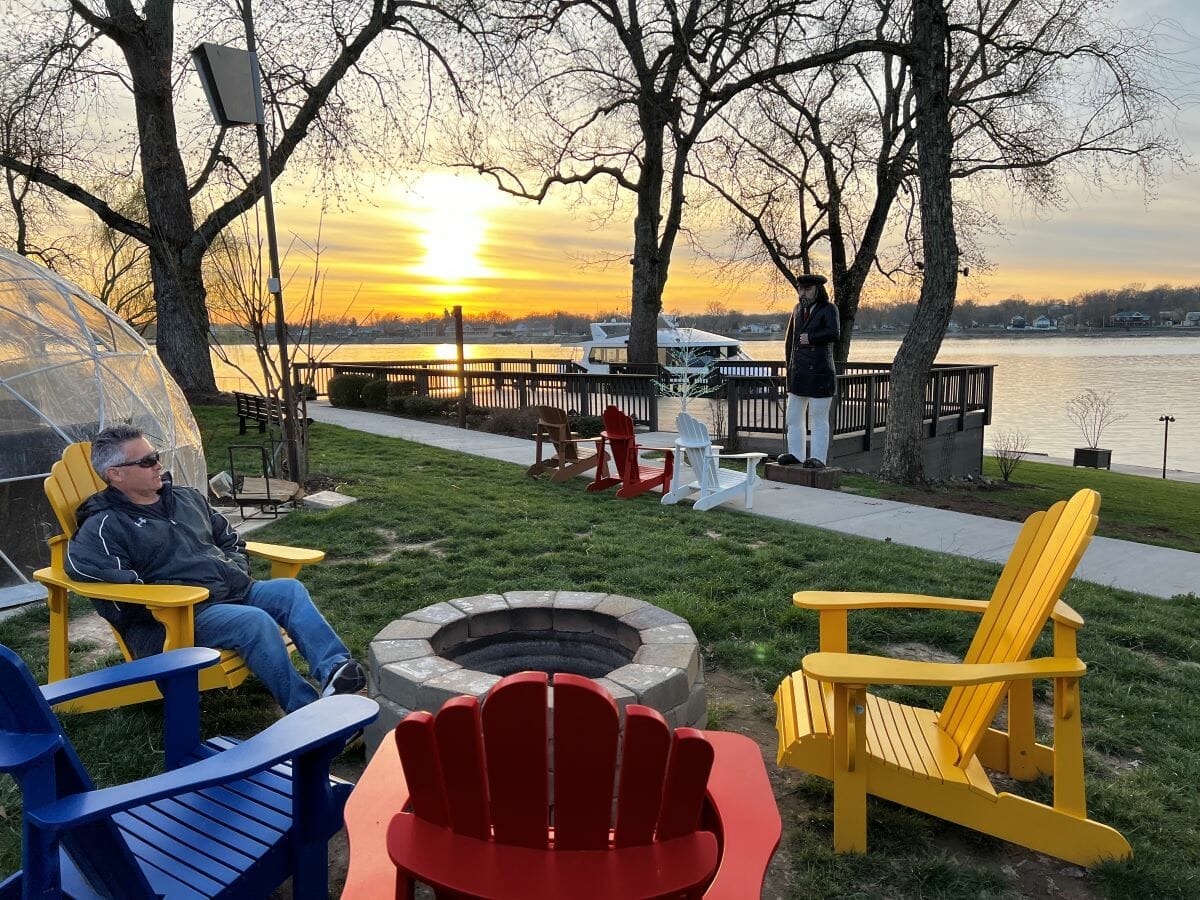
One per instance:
(696, 443)
(618, 431)
(71, 481)
(486, 771)
(97, 849)
(1043, 559)
(554, 425)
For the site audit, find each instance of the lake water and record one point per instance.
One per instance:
(1036, 375)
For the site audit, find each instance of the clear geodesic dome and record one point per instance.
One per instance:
(70, 367)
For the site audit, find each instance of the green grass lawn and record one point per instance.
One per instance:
(431, 525)
(1147, 510)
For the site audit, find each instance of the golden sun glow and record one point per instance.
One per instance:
(452, 214)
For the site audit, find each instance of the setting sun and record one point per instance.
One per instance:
(452, 215)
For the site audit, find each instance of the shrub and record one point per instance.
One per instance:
(375, 394)
(515, 422)
(405, 388)
(346, 390)
(587, 426)
(1092, 413)
(1009, 448)
(422, 407)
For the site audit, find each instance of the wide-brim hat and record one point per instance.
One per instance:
(804, 280)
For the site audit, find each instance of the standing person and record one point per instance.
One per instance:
(142, 529)
(808, 343)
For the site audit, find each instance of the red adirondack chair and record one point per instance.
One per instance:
(635, 475)
(479, 819)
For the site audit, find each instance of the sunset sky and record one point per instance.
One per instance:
(441, 239)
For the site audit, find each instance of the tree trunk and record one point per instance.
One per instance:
(182, 335)
(910, 371)
(649, 267)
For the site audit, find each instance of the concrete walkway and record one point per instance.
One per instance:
(1157, 571)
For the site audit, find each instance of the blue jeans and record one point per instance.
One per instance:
(251, 627)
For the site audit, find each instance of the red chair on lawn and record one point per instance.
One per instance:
(479, 819)
(635, 475)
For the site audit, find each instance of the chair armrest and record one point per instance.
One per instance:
(741, 799)
(831, 600)
(860, 669)
(150, 668)
(301, 556)
(847, 600)
(156, 595)
(322, 722)
(19, 751)
(643, 448)
(741, 455)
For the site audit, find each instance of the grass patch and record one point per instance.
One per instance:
(731, 575)
(1135, 508)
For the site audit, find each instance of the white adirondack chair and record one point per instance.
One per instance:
(713, 485)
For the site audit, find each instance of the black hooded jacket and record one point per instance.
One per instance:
(180, 541)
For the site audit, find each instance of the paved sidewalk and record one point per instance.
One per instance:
(1157, 571)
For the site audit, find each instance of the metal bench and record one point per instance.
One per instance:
(263, 410)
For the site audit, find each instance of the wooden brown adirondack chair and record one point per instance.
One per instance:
(562, 451)
(829, 724)
(72, 480)
(634, 475)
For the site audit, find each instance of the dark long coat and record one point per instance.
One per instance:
(810, 368)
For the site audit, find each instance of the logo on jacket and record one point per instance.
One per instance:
(140, 521)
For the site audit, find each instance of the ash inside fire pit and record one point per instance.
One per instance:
(638, 652)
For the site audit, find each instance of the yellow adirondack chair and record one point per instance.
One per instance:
(830, 726)
(72, 480)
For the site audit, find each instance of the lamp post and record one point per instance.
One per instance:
(234, 101)
(1166, 420)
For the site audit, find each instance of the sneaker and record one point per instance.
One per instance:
(348, 678)
(787, 459)
(813, 463)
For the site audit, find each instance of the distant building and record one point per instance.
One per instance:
(1192, 320)
(1018, 323)
(1044, 323)
(1129, 320)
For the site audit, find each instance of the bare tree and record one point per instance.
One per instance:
(821, 166)
(619, 95)
(322, 64)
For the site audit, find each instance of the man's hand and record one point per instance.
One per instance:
(803, 341)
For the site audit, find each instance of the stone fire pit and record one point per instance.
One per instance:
(638, 652)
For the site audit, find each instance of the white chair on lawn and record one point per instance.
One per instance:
(713, 485)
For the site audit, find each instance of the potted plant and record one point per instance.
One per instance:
(1092, 412)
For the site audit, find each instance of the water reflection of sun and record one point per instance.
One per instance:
(452, 214)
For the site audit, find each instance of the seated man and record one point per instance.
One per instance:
(143, 530)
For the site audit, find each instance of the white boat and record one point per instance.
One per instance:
(680, 349)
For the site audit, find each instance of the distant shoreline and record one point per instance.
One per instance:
(968, 334)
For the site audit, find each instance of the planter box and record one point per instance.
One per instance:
(1093, 458)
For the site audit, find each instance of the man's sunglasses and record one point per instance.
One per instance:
(149, 461)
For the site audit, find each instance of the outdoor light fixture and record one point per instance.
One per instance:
(1166, 420)
(233, 84)
(225, 74)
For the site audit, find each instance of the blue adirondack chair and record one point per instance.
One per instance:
(227, 818)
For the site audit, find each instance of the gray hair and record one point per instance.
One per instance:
(106, 447)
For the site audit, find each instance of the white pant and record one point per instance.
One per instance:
(819, 418)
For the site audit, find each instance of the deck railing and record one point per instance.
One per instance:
(754, 392)
(507, 386)
(756, 404)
